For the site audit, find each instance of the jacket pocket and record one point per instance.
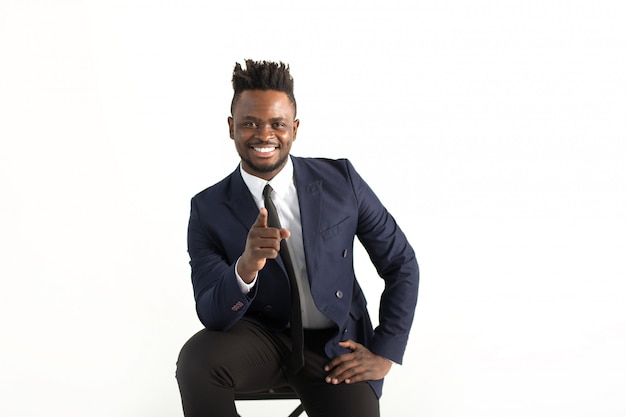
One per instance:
(333, 230)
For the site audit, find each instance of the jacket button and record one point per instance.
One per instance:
(268, 308)
(345, 253)
(339, 294)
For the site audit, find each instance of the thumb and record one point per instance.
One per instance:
(348, 344)
(284, 233)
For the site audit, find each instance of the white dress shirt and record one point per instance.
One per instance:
(285, 199)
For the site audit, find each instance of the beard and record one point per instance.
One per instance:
(267, 168)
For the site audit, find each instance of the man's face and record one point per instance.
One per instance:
(263, 128)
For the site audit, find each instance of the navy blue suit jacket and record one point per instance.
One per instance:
(335, 206)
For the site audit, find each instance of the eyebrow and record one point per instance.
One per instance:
(273, 119)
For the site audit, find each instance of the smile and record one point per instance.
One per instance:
(265, 149)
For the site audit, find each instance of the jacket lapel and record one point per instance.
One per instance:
(243, 207)
(240, 201)
(309, 188)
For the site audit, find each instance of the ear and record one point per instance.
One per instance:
(296, 124)
(231, 127)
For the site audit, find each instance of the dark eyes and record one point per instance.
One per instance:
(253, 125)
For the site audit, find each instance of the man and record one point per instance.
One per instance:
(252, 245)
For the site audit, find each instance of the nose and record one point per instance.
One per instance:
(265, 132)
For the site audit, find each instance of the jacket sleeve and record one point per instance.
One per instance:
(395, 262)
(220, 303)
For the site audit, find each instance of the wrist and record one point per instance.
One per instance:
(245, 273)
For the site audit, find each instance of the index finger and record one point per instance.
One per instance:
(338, 360)
(261, 219)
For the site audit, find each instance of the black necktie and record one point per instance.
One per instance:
(297, 335)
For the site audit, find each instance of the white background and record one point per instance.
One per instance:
(493, 131)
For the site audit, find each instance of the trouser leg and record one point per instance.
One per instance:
(321, 399)
(212, 365)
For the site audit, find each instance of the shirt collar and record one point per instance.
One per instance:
(280, 182)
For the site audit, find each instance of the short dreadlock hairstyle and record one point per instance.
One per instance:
(262, 75)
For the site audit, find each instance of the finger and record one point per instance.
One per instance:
(261, 219)
(346, 344)
(270, 249)
(349, 344)
(344, 372)
(264, 233)
(284, 233)
(354, 374)
(338, 361)
(338, 366)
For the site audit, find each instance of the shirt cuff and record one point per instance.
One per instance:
(243, 286)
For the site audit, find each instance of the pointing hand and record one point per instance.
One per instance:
(263, 243)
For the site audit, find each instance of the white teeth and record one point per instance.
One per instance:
(263, 150)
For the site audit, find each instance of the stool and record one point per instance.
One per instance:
(282, 393)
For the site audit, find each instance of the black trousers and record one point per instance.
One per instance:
(212, 365)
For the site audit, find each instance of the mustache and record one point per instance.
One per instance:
(267, 143)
